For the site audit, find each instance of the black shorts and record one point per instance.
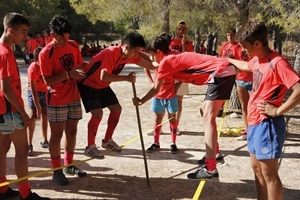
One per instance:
(96, 98)
(220, 89)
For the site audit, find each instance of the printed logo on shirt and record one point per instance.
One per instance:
(257, 77)
(67, 61)
(264, 150)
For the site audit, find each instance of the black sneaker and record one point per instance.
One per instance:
(154, 147)
(75, 171)
(60, 178)
(219, 159)
(9, 194)
(34, 196)
(174, 149)
(30, 150)
(203, 174)
(44, 144)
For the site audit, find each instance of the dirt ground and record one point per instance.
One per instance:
(122, 176)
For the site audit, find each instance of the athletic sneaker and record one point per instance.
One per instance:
(203, 173)
(44, 144)
(174, 149)
(9, 194)
(75, 171)
(34, 196)
(219, 159)
(60, 178)
(111, 145)
(153, 147)
(152, 132)
(93, 152)
(242, 137)
(30, 150)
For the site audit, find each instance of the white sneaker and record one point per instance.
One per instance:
(242, 137)
(93, 152)
(111, 145)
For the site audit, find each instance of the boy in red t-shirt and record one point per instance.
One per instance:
(60, 61)
(232, 49)
(198, 69)
(37, 101)
(180, 43)
(96, 94)
(272, 76)
(13, 118)
(165, 99)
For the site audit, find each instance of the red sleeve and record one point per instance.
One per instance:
(31, 72)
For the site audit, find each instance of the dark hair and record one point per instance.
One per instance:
(60, 25)
(36, 53)
(161, 42)
(134, 39)
(252, 31)
(231, 30)
(46, 31)
(13, 20)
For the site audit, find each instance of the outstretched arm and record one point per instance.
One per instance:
(146, 61)
(239, 64)
(105, 76)
(151, 93)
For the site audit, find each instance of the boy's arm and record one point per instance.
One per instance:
(151, 93)
(240, 64)
(35, 98)
(146, 61)
(149, 76)
(12, 98)
(105, 76)
(291, 102)
(73, 73)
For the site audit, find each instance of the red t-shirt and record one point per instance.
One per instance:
(235, 51)
(31, 45)
(48, 39)
(272, 76)
(110, 60)
(34, 74)
(54, 61)
(191, 67)
(40, 41)
(9, 68)
(176, 45)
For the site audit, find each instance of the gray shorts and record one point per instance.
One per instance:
(10, 121)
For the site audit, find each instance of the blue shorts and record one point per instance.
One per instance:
(42, 99)
(244, 84)
(10, 121)
(266, 139)
(159, 105)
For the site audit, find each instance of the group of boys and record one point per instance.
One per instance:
(69, 79)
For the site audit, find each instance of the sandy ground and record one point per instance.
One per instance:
(122, 176)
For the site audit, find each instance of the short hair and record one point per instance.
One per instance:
(36, 53)
(134, 39)
(161, 42)
(231, 30)
(60, 25)
(251, 31)
(13, 20)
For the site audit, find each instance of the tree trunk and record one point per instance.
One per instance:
(197, 41)
(166, 16)
(297, 61)
(243, 16)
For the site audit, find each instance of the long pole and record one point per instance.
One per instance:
(141, 135)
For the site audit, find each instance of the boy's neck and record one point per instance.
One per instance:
(265, 52)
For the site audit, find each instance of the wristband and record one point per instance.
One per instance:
(275, 112)
(67, 74)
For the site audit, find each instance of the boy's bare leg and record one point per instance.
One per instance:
(19, 139)
(5, 142)
(269, 169)
(210, 110)
(243, 95)
(71, 132)
(44, 122)
(180, 101)
(261, 187)
(57, 129)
